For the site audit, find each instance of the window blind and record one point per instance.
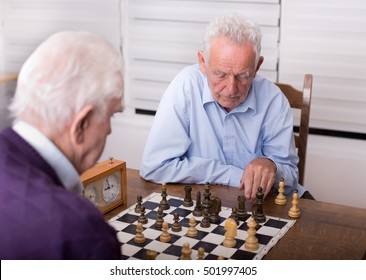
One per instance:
(26, 23)
(162, 37)
(327, 39)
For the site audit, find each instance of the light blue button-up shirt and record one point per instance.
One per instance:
(194, 140)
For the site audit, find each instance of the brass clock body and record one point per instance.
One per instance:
(105, 184)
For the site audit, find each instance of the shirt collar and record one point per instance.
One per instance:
(249, 103)
(65, 171)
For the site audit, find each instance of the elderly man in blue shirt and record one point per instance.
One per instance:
(220, 122)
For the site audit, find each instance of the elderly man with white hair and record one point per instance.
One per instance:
(220, 122)
(67, 92)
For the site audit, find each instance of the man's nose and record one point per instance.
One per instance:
(232, 84)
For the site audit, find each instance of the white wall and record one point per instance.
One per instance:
(335, 168)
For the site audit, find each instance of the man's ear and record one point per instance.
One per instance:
(260, 61)
(202, 62)
(80, 124)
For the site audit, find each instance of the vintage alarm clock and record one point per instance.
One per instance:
(105, 184)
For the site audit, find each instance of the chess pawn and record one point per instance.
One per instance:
(192, 231)
(281, 199)
(151, 255)
(138, 204)
(186, 252)
(139, 237)
(142, 218)
(159, 219)
(165, 235)
(205, 222)
(176, 226)
(164, 202)
(230, 234)
(200, 253)
(251, 243)
(294, 211)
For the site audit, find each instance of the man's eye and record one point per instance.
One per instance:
(243, 76)
(220, 75)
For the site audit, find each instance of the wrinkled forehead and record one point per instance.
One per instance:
(227, 53)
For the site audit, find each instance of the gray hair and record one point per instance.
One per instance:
(235, 27)
(68, 71)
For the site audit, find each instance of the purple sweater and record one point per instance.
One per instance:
(39, 218)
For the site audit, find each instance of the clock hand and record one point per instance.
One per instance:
(108, 185)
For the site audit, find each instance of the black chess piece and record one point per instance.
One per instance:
(205, 223)
(197, 211)
(176, 225)
(164, 202)
(215, 209)
(234, 215)
(188, 202)
(159, 219)
(138, 204)
(241, 208)
(207, 197)
(259, 215)
(142, 218)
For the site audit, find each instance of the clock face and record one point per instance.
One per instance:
(90, 193)
(105, 184)
(111, 187)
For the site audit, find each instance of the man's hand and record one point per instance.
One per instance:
(260, 172)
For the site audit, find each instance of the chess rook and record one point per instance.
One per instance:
(215, 209)
(241, 212)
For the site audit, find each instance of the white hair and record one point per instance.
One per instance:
(69, 70)
(236, 28)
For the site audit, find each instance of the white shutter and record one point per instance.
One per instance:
(327, 39)
(162, 37)
(26, 23)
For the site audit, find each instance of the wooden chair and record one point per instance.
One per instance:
(300, 100)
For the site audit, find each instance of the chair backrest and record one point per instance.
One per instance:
(300, 100)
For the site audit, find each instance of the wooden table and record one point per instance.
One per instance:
(324, 231)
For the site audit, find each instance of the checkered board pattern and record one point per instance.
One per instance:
(211, 239)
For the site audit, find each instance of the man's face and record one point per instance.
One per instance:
(230, 71)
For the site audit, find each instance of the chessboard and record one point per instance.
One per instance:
(210, 238)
